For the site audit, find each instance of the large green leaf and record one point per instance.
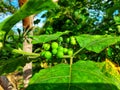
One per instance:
(29, 8)
(10, 65)
(47, 38)
(83, 75)
(96, 43)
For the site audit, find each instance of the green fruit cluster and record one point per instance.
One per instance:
(55, 50)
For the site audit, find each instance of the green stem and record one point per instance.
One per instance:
(66, 56)
(78, 51)
(71, 62)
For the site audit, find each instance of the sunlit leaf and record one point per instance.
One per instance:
(83, 75)
(96, 43)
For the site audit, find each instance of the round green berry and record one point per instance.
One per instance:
(65, 50)
(54, 51)
(54, 45)
(72, 38)
(60, 39)
(60, 48)
(60, 54)
(73, 42)
(48, 55)
(46, 46)
(70, 52)
(68, 40)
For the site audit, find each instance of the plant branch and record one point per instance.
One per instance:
(71, 62)
(78, 51)
(72, 19)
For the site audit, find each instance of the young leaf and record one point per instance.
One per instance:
(47, 38)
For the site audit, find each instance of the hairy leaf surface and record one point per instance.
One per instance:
(96, 43)
(81, 75)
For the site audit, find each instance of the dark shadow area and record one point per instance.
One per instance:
(10, 65)
(74, 86)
